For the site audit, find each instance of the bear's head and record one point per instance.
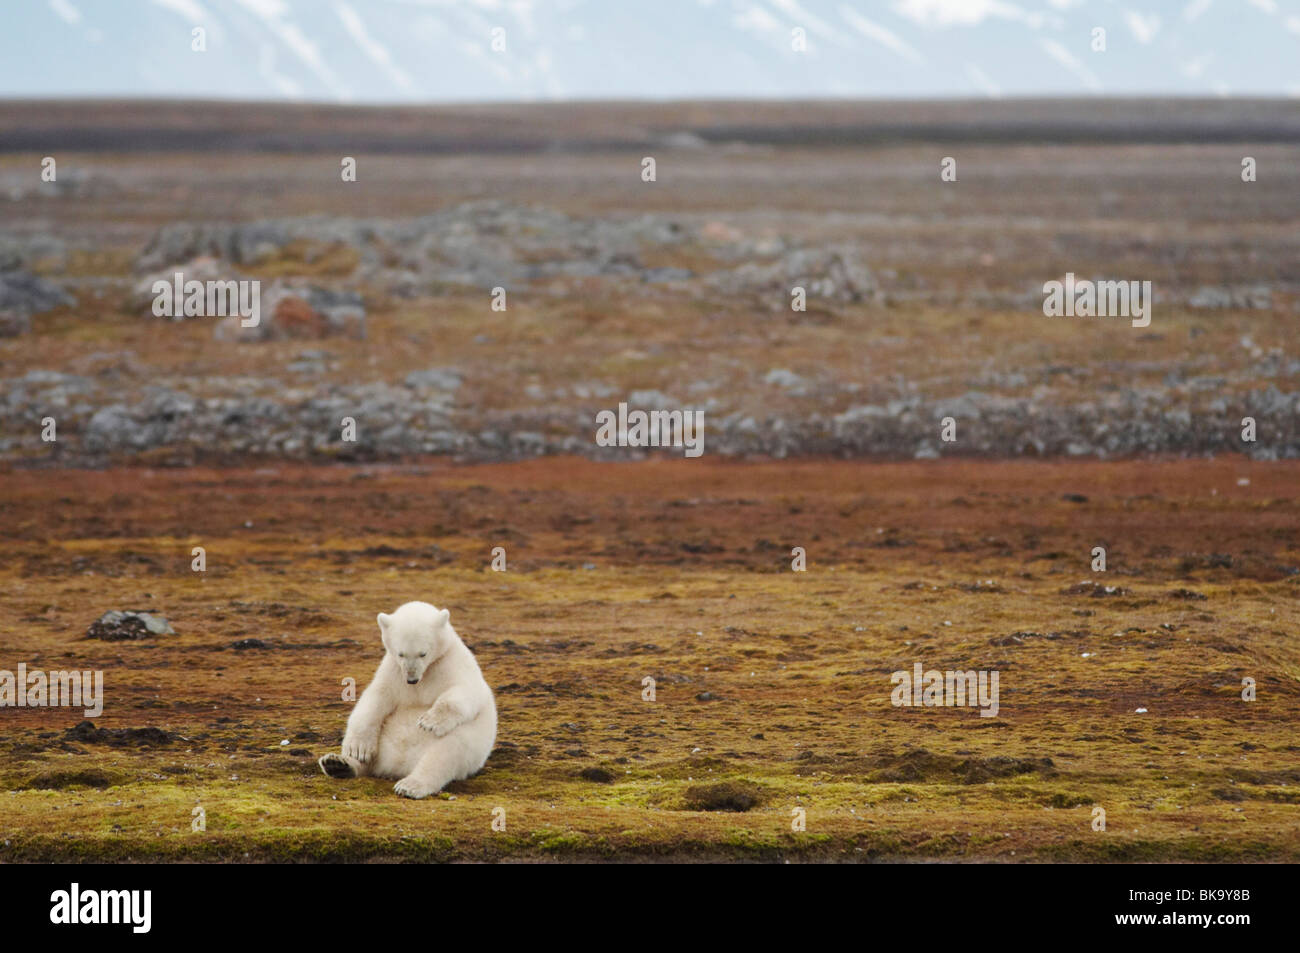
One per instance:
(415, 636)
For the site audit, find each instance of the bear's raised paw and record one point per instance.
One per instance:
(439, 725)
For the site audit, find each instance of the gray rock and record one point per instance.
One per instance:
(683, 139)
(118, 625)
(295, 309)
(477, 244)
(435, 378)
(787, 380)
(11, 255)
(651, 400)
(111, 427)
(25, 294)
(204, 268)
(1219, 297)
(659, 275)
(834, 273)
(22, 251)
(239, 244)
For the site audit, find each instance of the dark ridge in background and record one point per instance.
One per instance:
(181, 126)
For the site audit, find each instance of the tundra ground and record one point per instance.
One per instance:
(772, 686)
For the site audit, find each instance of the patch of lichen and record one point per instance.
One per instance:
(305, 258)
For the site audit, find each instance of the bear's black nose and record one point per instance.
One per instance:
(411, 681)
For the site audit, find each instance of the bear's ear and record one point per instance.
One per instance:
(442, 617)
(384, 621)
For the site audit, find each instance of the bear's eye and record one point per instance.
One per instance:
(423, 654)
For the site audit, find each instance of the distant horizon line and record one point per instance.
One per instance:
(1180, 97)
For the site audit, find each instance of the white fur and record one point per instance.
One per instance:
(427, 717)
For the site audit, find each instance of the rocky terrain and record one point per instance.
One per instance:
(923, 297)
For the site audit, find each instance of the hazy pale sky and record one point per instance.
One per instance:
(478, 50)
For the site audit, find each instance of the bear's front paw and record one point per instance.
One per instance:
(359, 748)
(437, 723)
(409, 787)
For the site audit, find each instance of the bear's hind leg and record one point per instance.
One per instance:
(341, 766)
(435, 769)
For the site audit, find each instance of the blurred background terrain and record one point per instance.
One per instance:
(924, 298)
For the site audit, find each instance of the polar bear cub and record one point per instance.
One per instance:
(427, 717)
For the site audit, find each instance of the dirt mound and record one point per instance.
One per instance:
(737, 796)
(119, 737)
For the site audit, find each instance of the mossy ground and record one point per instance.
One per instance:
(678, 570)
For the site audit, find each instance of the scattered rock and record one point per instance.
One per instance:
(786, 380)
(650, 400)
(29, 250)
(23, 294)
(294, 413)
(299, 311)
(128, 624)
(835, 273)
(1095, 590)
(1218, 297)
(683, 139)
(240, 244)
(204, 268)
(435, 378)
